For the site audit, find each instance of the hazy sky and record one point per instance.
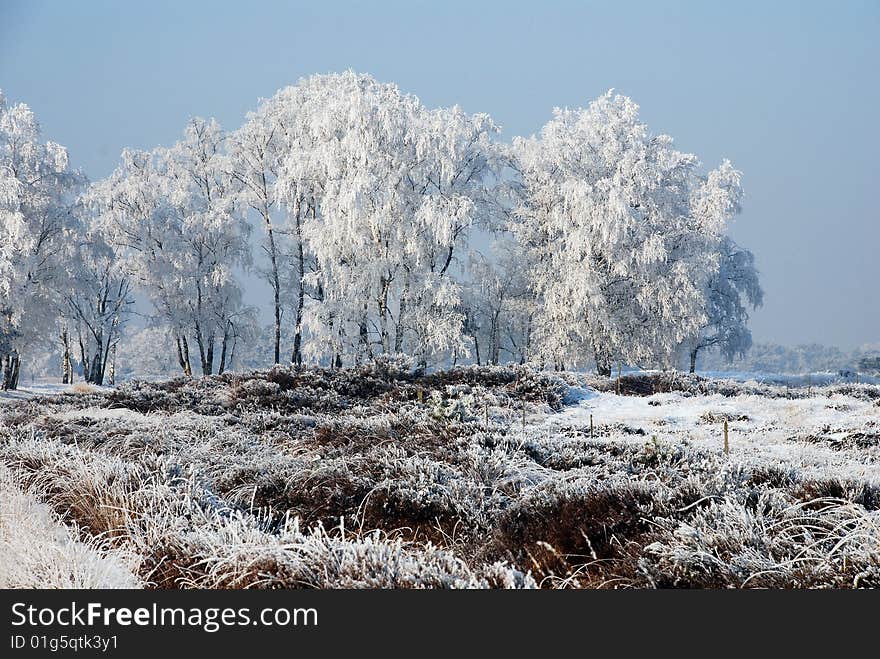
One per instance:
(787, 91)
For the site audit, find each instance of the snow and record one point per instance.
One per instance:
(38, 551)
(101, 414)
(791, 379)
(330, 476)
(761, 430)
(37, 389)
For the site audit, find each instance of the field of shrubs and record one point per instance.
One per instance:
(475, 477)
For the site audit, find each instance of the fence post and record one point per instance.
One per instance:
(591, 426)
(726, 444)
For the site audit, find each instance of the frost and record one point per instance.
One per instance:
(390, 477)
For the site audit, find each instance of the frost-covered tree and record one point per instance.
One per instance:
(499, 305)
(144, 352)
(256, 152)
(37, 188)
(730, 291)
(215, 236)
(281, 125)
(609, 249)
(622, 235)
(390, 190)
(173, 212)
(96, 302)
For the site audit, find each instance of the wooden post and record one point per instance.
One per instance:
(726, 444)
(420, 395)
(809, 384)
(591, 426)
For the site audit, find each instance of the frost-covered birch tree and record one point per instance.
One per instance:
(623, 235)
(499, 305)
(281, 125)
(173, 212)
(393, 189)
(608, 241)
(96, 303)
(37, 188)
(730, 291)
(256, 150)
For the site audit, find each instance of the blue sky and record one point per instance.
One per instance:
(787, 90)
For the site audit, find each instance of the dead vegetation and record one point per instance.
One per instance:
(387, 477)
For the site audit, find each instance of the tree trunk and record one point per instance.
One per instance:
(113, 365)
(210, 356)
(382, 302)
(401, 313)
(83, 356)
(364, 337)
(694, 360)
(180, 359)
(276, 290)
(11, 369)
(7, 372)
(16, 371)
(496, 339)
(296, 358)
(222, 366)
(201, 344)
(603, 361)
(93, 363)
(66, 372)
(187, 365)
(96, 375)
(528, 344)
(206, 351)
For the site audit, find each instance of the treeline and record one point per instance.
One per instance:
(805, 358)
(367, 209)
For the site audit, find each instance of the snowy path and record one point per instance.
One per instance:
(826, 435)
(38, 550)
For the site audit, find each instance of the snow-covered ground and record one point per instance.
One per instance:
(44, 388)
(818, 435)
(473, 477)
(793, 379)
(38, 551)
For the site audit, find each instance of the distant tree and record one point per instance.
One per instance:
(870, 363)
(144, 352)
(499, 305)
(732, 289)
